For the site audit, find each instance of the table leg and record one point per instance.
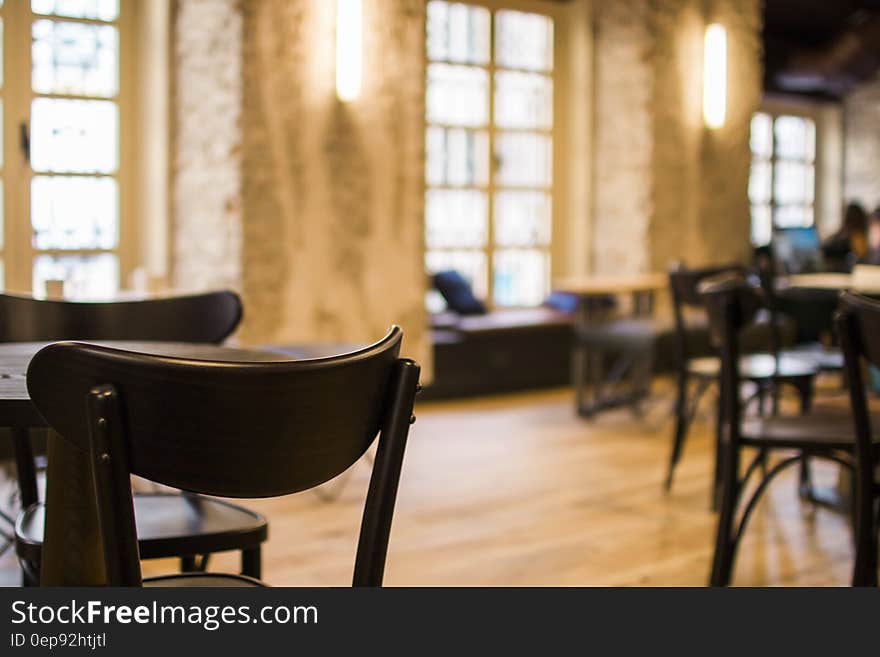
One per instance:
(72, 552)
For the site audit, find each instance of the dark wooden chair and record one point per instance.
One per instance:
(811, 311)
(170, 525)
(234, 429)
(858, 328)
(767, 370)
(823, 433)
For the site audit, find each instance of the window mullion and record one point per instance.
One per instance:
(493, 166)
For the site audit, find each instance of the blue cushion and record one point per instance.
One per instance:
(457, 293)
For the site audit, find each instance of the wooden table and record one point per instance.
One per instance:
(854, 282)
(71, 518)
(589, 378)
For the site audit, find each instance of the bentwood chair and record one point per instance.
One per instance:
(766, 369)
(170, 525)
(858, 326)
(234, 429)
(823, 433)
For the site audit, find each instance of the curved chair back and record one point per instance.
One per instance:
(731, 304)
(684, 284)
(207, 317)
(233, 429)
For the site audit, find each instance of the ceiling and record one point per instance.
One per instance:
(820, 48)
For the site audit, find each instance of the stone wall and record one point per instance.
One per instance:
(329, 195)
(666, 187)
(862, 145)
(206, 151)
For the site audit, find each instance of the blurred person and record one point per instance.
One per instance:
(850, 243)
(872, 257)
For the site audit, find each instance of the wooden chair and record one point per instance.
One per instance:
(823, 433)
(229, 429)
(169, 524)
(858, 327)
(766, 370)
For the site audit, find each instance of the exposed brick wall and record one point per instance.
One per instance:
(311, 207)
(206, 152)
(862, 145)
(668, 188)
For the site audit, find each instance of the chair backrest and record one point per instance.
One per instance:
(233, 429)
(684, 284)
(858, 326)
(731, 303)
(208, 317)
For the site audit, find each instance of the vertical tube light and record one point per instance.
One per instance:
(715, 76)
(349, 42)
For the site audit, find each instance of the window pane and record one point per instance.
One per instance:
(455, 218)
(79, 136)
(759, 182)
(762, 225)
(787, 216)
(74, 212)
(458, 33)
(795, 138)
(523, 100)
(522, 218)
(457, 95)
(793, 182)
(74, 58)
(456, 156)
(470, 264)
(520, 277)
(102, 10)
(761, 135)
(523, 41)
(524, 160)
(85, 277)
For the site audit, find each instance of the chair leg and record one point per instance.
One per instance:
(188, 564)
(252, 562)
(725, 539)
(681, 427)
(865, 566)
(717, 483)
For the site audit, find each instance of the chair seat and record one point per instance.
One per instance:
(828, 427)
(168, 525)
(201, 580)
(757, 367)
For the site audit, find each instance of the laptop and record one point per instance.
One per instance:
(797, 250)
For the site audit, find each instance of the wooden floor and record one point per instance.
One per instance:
(517, 490)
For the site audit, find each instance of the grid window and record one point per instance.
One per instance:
(489, 144)
(782, 182)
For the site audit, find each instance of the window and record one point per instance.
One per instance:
(782, 183)
(65, 113)
(489, 144)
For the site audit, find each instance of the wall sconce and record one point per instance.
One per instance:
(349, 40)
(715, 75)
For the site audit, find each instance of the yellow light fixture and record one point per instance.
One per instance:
(349, 41)
(715, 75)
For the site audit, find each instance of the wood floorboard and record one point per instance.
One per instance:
(517, 490)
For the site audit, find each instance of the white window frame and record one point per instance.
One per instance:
(556, 12)
(18, 252)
